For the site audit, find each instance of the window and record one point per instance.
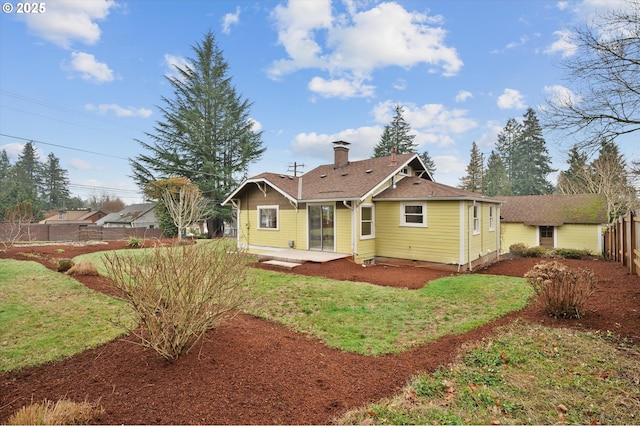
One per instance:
(476, 219)
(267, 217)
(367, 226)
(492, 222)
(413, 215)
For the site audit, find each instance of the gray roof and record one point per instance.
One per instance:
(127, 215)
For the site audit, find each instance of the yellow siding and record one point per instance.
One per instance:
(438, 242)
(513, 233)
(343, 229)
(580, 237)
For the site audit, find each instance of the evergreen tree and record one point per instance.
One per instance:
(428, 162)
(532, 162)
(507, 146)
(55, 184)
(496, 181)
(395, 135)
(206, 134)
(573, 180)
(5, 165)
(472, 181)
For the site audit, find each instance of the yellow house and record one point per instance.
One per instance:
(385, 208)
(572, 221)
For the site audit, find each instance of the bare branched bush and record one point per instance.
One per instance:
(561, 290)
(179, 293)
(62, 412)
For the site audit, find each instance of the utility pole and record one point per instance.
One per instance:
(295, 166)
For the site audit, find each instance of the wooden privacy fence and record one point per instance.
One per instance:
(622, 242)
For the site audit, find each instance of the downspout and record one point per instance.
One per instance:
(469, 219)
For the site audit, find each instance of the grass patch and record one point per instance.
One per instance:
(374, 320)
(526, 374)
(45, 315)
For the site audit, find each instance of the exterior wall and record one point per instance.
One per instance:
(365, 249)
(291, 223)
(479, 247)
(580, 237)
(342, 228)
(513, 233)
(438, 242)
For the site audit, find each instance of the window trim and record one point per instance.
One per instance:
(476, 219)
(403, 215)
(492, 218)
(268, 207)
(372, 221)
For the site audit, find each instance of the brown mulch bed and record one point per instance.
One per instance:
(252, 371)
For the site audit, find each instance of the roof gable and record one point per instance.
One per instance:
(555, 210)
(415, 188)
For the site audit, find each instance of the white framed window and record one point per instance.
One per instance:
(268, 217)
(367, 221)
(413, 214)
(492, 218)
(476, 219)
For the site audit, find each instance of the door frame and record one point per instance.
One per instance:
(332, 205)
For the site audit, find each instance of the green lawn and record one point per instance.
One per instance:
(45, 315)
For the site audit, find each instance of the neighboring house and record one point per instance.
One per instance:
(133, 216)
(74, 216)
(554, 221)
(381, 208)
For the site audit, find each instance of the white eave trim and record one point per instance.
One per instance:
(376, 189)
(259, 181)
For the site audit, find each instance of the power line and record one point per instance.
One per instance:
(63, 146)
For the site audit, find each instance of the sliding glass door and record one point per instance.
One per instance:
(321, 227)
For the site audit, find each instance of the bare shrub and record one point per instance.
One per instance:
(62, 412)
(83, 268)
(179, 293)
(561, 290)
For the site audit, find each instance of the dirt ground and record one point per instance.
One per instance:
(252, 371)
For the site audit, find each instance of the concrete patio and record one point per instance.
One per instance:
(290, 258)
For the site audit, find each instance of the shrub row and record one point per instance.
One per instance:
(520, 249)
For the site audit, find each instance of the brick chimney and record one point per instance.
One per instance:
(340, 154)
(394, 158)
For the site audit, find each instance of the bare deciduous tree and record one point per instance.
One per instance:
(603, 98)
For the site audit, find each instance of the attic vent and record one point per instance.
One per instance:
(282, 176)
(344, 174)
(416, 182)
(323, 176)
(368, 171)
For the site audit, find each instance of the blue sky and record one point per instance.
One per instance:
(84, 78)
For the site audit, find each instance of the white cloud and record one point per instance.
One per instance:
(340, 88)
(317, 146)
(562, 5)
(66, 21)
(431, 123)
(79, 164)
(463, 96)
(230, 19)
(13, 150)
(561, 96)
(400, 84)
(563, 44)
(173, 61)
(256, 126)
(351, 46)
(511, 99)
(120, 111)
(89, 68)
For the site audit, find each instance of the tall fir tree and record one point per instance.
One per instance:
(496, 181)
(532, 163)
(507, 146)
(27, 174)
(428, 162)
(55, 187)
(396, 135)
(206, 134)
(473, 180)
(574, 179)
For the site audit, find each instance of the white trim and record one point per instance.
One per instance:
(403, 213)
(492, 218)
(373, 222)
(259, 222)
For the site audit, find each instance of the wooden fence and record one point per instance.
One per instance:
(622, 242)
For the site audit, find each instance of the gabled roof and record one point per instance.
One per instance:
(353, 181)
(80, 216)
(555, 210)
(415, 188)
(127, 215)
